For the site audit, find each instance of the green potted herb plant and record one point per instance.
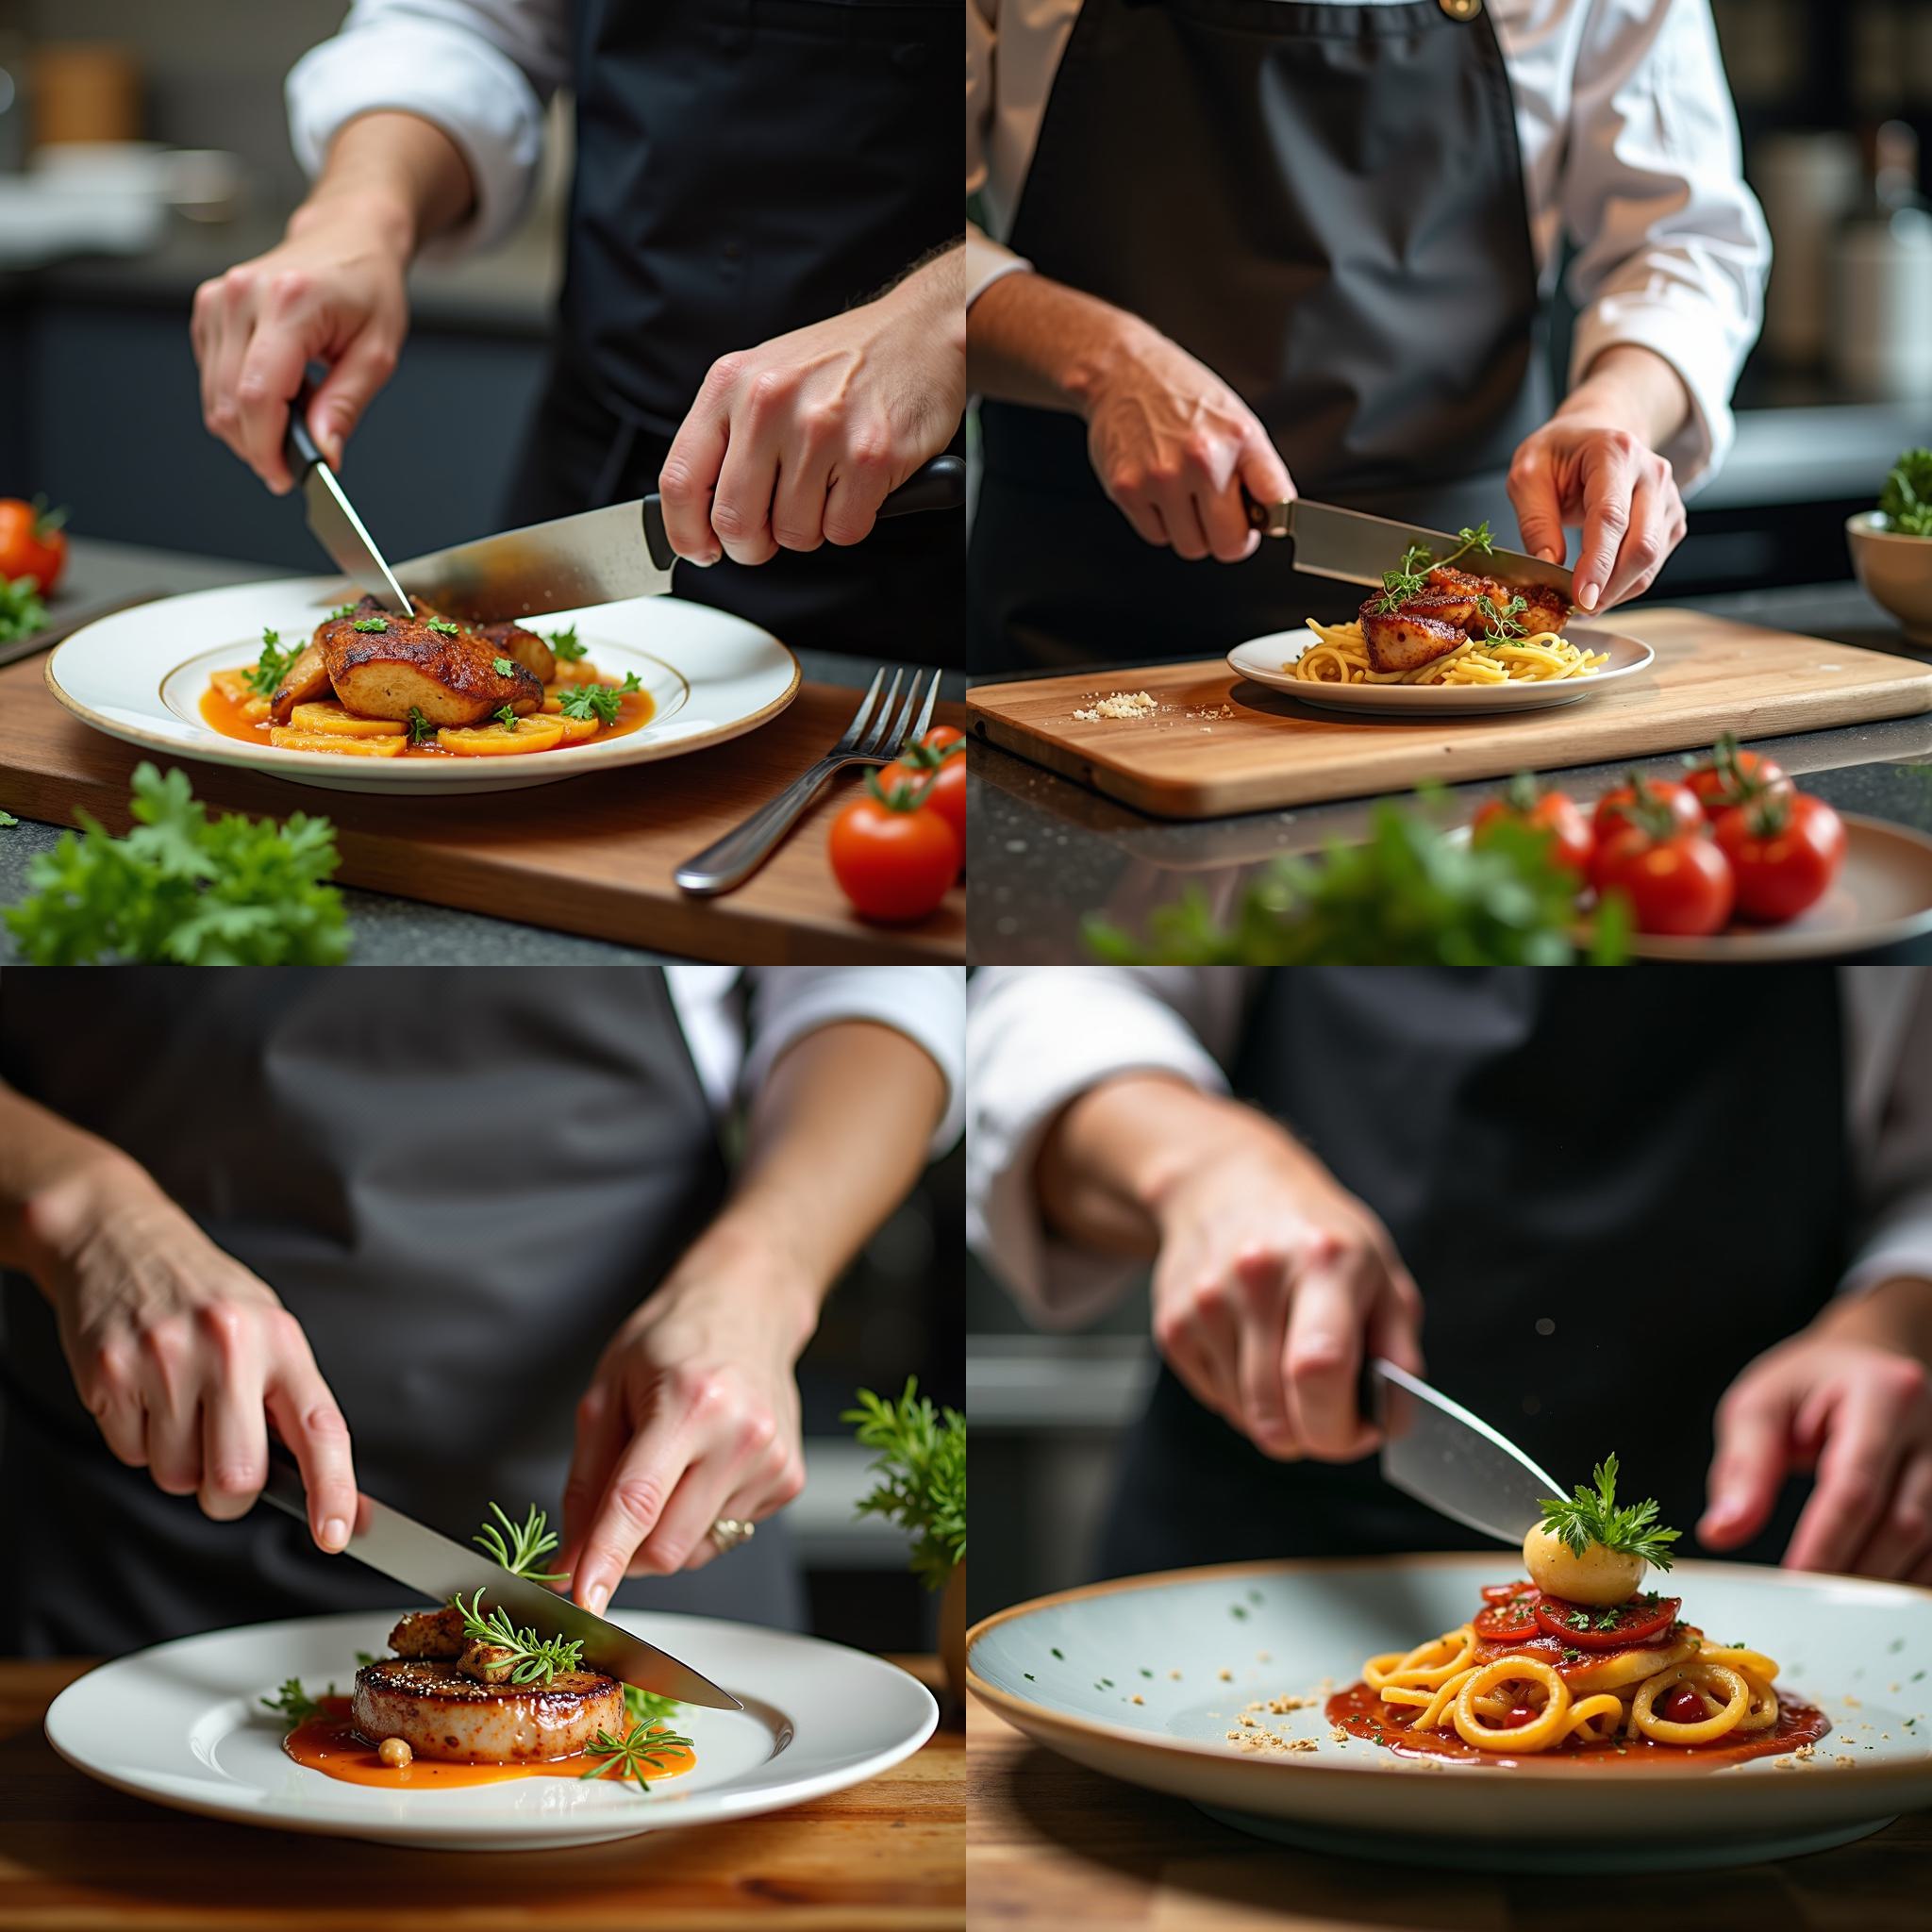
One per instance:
(920, 1469)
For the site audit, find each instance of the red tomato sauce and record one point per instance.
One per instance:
(331, 1745)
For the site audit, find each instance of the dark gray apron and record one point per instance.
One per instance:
(745, 168)
(1653, 1163)
(1325, 203)
(460, 1183)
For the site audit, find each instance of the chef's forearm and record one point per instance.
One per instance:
(1115, 1153)
(397, 175)
(934, 291)
(1032, 340)
(1894, 1314)
(838, 1135)
(50, 1172)
(1636, 389)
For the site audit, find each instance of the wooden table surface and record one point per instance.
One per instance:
(1051, 1843)
(73, 1854)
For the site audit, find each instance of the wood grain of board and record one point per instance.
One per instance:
(886, 1856)
(1188, 761)
(1053, 1845)
(591, 855)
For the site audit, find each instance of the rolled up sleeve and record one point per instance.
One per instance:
(1894, 1165)
(482, 71)
(1671, 247)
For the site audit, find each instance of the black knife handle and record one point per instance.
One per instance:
(938, 485)
(298, 447)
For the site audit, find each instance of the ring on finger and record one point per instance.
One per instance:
(729, 1531)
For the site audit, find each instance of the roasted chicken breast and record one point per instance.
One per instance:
(1413, 634)
(441, 1713)
(385, 666)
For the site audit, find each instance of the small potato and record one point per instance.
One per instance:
(1598, 1576)
(581, 672)
(492, 741)
(331, 717)
(291, 740)
(394, 1752)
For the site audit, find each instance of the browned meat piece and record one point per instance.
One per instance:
(524, 646)
(1547, 609)
(304, 680)
(429, 1634)
(1413, 635)
(442, 1714)
(1458, 596)
(400, 664)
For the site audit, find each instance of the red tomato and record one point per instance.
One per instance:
(32, 544)
(1582, 1625)
(892, 858)
(1679, 884)
(943, 738)
(1614, 808)
(1683, 1706)
(1520, 1714)
(1509, 1622)
(1502, 1593)
(1729, 776)
(1784, 852)
(1552, 812)
(945, 766)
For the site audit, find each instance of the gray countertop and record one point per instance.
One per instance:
(1043, 851)
(388, 931)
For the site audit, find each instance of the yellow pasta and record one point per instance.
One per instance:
(1339, 654)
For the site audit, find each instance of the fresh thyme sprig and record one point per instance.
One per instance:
(1500, 626)
(1593, 1517)
(529, 1542)
(628, 1756)
(294, 1703)
(533, 1659)
(1410, 577)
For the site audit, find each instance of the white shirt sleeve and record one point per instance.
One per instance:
(928, 1003)
(987, 261)
(1672, 249)
(1893, 1013)
(1037, 1038)
(482, 71)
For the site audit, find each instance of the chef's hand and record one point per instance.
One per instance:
(796, 443)
(692, 1415)
(1172, 444)
(1272, 1282)
(331, 291)
(1849, 1396)
(181, 1355)
(1594, 463)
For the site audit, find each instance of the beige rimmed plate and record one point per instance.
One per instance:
(1263, 659)
(139, 676)
(1142, 1678)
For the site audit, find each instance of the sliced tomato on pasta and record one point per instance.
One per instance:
(1508, 1612)
(1587, 1627)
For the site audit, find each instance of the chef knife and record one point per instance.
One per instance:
(331, 516)
(1330, 542)
(407, 1553)
(600, 556)
(1434, 1450)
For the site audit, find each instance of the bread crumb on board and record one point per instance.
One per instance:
(1118, 703)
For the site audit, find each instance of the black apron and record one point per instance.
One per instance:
(745, 168)
(1325, 203)
(1612, 1190)
(459, 1183)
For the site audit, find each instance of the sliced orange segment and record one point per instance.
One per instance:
(289, 739)
(493, 741)
(326, 715)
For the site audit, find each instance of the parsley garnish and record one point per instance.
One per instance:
(1571, 1655)
(420, 729)
(444, 627)
(1608, 1620)
(1411, 575)
(22, 611)
(1579, 1619)
(342, 611)
(527, 1544)
(565, 642)
(503, 667)
(505, 716)
(294, 1703)
(272, 665)
(1594, 1518)
(371, 624)
(599, 701)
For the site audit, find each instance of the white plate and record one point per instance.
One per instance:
(182, 1724)
(1261, 659)
(141, 674)
(1066, 1668)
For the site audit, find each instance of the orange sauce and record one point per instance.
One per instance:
(331, 1745)
(221, 713)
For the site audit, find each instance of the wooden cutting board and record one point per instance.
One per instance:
(591, 855)
(1188, 761)
(886, 1856)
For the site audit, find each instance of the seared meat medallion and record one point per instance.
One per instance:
(442, 1714)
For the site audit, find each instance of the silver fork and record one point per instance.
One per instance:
(871, 739)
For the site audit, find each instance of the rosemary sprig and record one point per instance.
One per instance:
(1410, 577)
(1593, 1517)
(648, 1706)
(628, 1756)
(529, 1542)
(294, 1703)
(533, 1659)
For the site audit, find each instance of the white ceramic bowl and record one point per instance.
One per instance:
(1895, 571)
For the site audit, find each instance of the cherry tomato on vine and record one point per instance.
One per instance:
(1730, 778)
(1553, 814)
(1677, 884)
(1617, 808)
(1785, 851)
(32, 542)
(894, 857)
(940, 756)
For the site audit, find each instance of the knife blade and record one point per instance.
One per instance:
(600, 556)
(1345, 544)
(1435, 1450)
(407, 1553)
(331, 516)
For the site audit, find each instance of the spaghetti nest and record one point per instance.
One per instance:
(1339, 654)
(1521, 1704)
